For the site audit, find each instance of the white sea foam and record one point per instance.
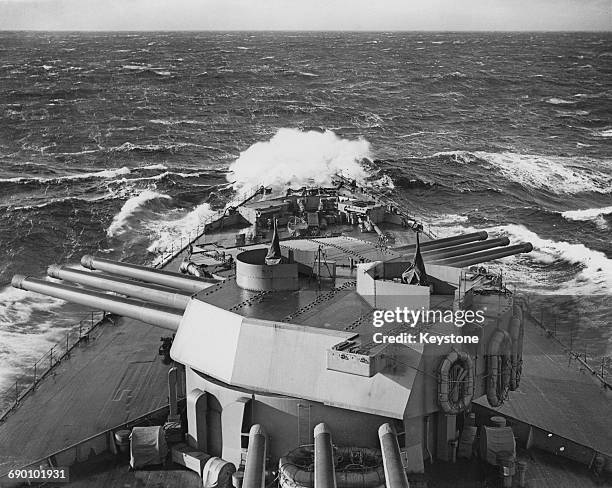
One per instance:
(593, 277)
(128, 146)
(296, 158)
(47, 203)
(556, 174)
(107, 173)
(176, 225)
(160, 167)
(603, 133)
(560, 101)
(130, 208)
(177, 121)
(595, 215)
(448, 219)
(21, 338)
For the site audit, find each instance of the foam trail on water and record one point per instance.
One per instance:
(552, 173)
(595, 215)
(296, 158)
(549, 173)
(130, 208)
(107, 173)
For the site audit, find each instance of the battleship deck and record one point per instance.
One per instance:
(119, 375)
(114, 377)
(558, 397)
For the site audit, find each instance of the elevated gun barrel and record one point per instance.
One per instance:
(151, 314)
(481, 257)
(143, 273)
(446, 242)
(449, 252)
(149, 293)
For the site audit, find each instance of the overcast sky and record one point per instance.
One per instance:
(306, 14)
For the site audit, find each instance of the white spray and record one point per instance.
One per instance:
(296, 158)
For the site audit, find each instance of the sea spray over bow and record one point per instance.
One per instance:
(296, 158)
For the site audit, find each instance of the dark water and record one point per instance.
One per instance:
(117, 143)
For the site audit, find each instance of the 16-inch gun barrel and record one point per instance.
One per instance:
(481, 257)
(151, 314)
(147, 292)
(164, 278)
(445, 242)
(448, 252)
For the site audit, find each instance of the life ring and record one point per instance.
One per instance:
(516, 334)
(456, 368)
(355, 467)
(499, 366)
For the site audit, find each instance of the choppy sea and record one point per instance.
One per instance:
(116, 143)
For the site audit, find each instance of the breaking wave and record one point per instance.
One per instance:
(595, 215)
(177, 225)
(592, 276)
(130, 209)
(23, 339)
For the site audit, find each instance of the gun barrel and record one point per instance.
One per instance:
(481, 257)
(151, 314)
(150, 275)
(146, 292)
(446, 242)
(463, 249)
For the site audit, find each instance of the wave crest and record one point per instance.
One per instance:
(130, 208)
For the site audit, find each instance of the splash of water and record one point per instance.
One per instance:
(297, 158)
(130, 208)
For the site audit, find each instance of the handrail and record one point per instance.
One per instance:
(18, 390)
(51, 358)
(580, 357)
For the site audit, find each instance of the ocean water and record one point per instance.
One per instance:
(117, 143)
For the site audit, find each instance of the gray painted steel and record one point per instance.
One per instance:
(164, 278)
(149, 293)
(150, 314)
(449, 252)
(481, 257)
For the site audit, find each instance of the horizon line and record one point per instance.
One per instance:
(378, 31)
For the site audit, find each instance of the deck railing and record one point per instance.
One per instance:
(600, 367)
(30, 377)
(183, 242)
